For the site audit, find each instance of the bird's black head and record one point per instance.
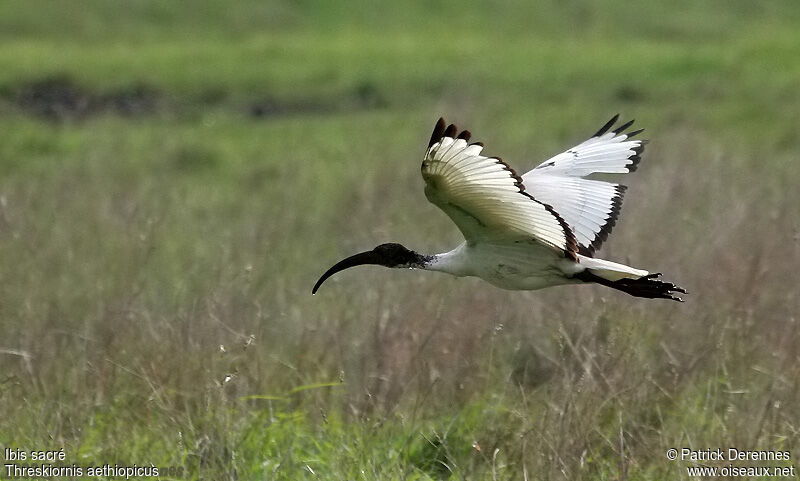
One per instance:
(396, 255)
(387, 255)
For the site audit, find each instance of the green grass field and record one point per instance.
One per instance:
(174, 176)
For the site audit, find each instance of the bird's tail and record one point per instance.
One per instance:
(636, 282)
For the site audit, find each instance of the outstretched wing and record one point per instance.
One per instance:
(484, 196)
(590, 207)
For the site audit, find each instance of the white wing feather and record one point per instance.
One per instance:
(606, 152)
(590, 207)
(484, 197)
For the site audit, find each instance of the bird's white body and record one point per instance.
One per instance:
(524, 266)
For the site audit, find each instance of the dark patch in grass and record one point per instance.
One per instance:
(429, 455)
(190, 158)
(367, 95)
(529, 367)
(270, 107)
(213, 96)
(259, 177)
(59, 98)
(628, 93)
(363, 96)
(138, 99)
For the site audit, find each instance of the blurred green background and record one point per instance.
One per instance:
(175, 175)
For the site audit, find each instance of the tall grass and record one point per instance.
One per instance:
(157, 262)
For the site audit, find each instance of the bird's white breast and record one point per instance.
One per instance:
(514, 264)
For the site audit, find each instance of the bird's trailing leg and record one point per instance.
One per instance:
(648, 286)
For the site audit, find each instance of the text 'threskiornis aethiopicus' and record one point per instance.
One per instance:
(526, 232)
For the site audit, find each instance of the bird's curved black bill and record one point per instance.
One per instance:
(360, 259)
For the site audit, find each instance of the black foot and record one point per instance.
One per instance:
(650, 287)
(646, 286)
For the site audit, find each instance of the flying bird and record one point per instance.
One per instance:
(526, 232)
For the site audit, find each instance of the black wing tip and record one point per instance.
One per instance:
(438, 131)
(635, 133)
(637, 156)
(623, 127)
(442, 130)
(619, 130)
(607, 126)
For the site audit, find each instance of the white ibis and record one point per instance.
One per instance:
(526, 232)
